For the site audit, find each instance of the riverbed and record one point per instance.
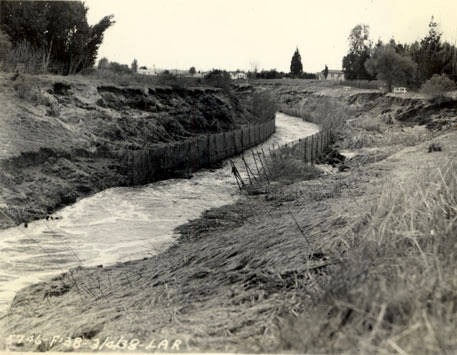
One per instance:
(121, 224)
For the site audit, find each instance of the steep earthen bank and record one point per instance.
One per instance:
(327, 101)
(64, 138)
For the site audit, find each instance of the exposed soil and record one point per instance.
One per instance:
(61, 137)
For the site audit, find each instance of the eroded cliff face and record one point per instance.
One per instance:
(61, 137)
(326, 99)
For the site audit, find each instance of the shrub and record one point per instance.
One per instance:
(289, 168)
(361, 84)
(119, 68)
(437, 85)
(29, 90)
(168, 79)
(369, 124)
(127, 79)
(264, 105)
(27, 59)
(220, 79)
(5, 46)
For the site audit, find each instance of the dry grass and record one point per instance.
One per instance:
(28, 89)
(290, 169)
(263, 105)
(396, 288)
(134, 79)
(308, 268)
(370, 132)
(370, 124)
(330, 114)
(406, 137)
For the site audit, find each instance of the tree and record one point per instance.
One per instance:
(134, 66)
(325, 72)
(437, 85)
(429, 59)
(359, 52)
(58, 28)
(192, 71)
(119, 68)
(220, 79)
(103, 63)
(391, 67)
(296, 67)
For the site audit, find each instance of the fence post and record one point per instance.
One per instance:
(304, 150)
(209, 148)
(325, 140)
(311, 150)
(197, 155)
(321, 136)
(225, 146)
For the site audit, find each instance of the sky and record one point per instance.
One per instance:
(243, 34)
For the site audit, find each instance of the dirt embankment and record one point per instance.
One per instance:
(288, 270)
(324, 100)
(61, 137)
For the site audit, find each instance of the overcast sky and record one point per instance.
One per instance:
(235, 34)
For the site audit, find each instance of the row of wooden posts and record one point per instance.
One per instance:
(163, 161)
(257, 168)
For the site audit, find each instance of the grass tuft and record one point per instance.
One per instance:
(290, 169)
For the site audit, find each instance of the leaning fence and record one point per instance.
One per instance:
(255, 168)
(161, 161)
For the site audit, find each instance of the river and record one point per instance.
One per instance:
(122, 223)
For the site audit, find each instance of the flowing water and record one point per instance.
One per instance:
(120, 224)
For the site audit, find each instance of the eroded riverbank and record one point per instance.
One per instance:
(243, 277)
(120, 224)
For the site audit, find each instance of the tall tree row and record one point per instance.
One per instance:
(396, 63)
(56, 29)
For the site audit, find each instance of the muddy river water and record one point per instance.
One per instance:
(120, 224)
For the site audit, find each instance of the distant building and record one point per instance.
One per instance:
(332, 75)
(238, 75)
(147, 71)
(400, 90)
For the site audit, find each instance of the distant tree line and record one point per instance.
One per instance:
(118, 68)
(397, 63)
(274, 74)
(51, 35)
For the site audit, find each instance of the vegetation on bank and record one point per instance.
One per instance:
(394, 285)
(75, 134)
(359, 260)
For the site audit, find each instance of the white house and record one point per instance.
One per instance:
(400, 90)
(238, 75)
(147, 71)
(332, 75)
